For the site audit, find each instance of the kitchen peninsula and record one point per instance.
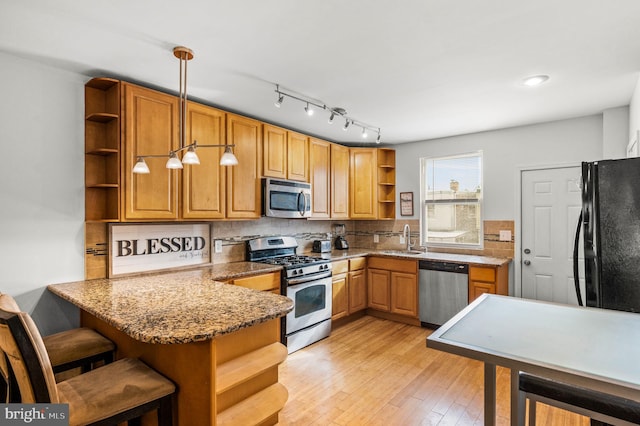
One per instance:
(196, 331)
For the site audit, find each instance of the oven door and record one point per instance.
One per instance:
(311, 304)
(288, 199)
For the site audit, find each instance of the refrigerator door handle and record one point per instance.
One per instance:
(576, 245)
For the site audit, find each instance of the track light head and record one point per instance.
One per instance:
(346, 125)
(280, 100)
(378, 138)
(333, 114)
(364, 133)
(308, 109)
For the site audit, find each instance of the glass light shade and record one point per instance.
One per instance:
(190, 157)
(141, 167)
(228, 159)
(174, 162)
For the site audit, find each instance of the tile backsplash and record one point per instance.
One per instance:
(233, 235)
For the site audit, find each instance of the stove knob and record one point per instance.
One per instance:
(300, 271)
(294, 272)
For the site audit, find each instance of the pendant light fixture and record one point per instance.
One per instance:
(190, 157)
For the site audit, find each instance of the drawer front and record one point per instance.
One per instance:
(339, 267)
(357, 263)
(390, 264)
(269, 281)
(482, 274)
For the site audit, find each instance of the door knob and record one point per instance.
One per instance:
(527, 262)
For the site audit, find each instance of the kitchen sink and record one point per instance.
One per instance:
(403, 252)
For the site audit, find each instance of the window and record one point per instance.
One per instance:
(451, 201)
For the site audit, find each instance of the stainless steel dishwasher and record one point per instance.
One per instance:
(443, 291)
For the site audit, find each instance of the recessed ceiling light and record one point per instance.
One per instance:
(535, 80)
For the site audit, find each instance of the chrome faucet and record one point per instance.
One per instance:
(406, 233)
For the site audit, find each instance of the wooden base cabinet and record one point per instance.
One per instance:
(393, 286)
(488, 279)
(349, 287)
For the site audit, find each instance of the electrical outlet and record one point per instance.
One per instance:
(505, 235)
(402, 241)
(376, 238)
(217, 246)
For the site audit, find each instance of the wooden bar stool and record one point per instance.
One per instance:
(78, 347)
(602, 408)
(121, 391)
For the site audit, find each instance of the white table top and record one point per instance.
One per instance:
(595, 348)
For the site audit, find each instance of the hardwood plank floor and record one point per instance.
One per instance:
(378, 372)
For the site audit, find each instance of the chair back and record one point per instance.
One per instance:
(22, 344)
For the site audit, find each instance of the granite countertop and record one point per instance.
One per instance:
(446, 257)
(178, 307)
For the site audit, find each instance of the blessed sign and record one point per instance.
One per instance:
(144, 248)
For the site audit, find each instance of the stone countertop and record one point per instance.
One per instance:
(445, 257)
(178, 307)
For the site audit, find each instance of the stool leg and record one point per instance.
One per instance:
(532, 412)
(165, 411)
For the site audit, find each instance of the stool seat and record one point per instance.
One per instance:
(597, 405)
(77, 347)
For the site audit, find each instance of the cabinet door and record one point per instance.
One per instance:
(378, 283)
(274, 152)
(404, 294)
(477, 289)
(340, 298)
(357, 291)
(339, 181)
(362, 183)
(319, 164)
(151, 128)
(203, 185)
(243, 180)
(297, 157)
(264, 282)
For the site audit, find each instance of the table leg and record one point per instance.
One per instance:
(489, 394)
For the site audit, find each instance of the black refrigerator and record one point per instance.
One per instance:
(610, 221)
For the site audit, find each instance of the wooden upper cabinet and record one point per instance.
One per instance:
(297, 157)
(274, 152)
(243, 181)
(285, 154)
(319, 172)
(204, 184)
(150, 128)
(339, 181)
(363, 183)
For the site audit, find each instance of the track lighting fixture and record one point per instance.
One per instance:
(333, 111)
(190, 157)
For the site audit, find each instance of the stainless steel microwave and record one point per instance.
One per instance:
(286, 198)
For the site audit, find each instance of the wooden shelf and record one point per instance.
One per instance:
(255, 409)
(102, 117)
(103, 151)
(248, 366)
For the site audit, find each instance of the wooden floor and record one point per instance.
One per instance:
(378, 372)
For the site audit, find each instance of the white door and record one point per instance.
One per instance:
(551, 204)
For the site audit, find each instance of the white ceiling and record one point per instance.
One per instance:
(418, 69)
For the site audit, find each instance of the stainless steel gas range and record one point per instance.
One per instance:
(307, 281)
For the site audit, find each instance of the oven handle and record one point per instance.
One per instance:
(304, 204)
(308, 278)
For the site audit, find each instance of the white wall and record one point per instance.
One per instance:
(41, 187)
(504, 151)
(634, 111)
(615, 132)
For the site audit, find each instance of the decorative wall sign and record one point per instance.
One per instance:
(144, 248)
(406, 203)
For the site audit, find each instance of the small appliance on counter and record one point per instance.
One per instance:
(321, 246)
(341, 243)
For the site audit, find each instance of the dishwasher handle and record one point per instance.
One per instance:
(457, 268)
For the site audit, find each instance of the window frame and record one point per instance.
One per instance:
(424, 202)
